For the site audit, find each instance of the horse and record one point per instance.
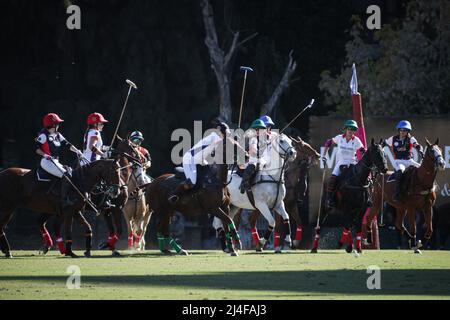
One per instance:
(353, 194)
(124, 153)
(20, 188)
(268, 189)
(212, 198)
(296, 186)
(420, 194)
(137, 215)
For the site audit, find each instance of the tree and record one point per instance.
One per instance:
(404, 69)
(222, 64)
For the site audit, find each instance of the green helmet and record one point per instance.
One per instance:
(258, 124)
(136, 135)
(351, 124)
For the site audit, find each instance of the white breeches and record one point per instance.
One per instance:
(55, 168)
(337, 167)
(402, 164)
(190, 168)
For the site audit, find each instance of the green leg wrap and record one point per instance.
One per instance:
(233, 231)
(229, 242)
(161, 242)
(174, 244)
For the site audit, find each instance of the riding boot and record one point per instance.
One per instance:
(331, 192)
(398, 191)
(66, 201)
(176, 194)
(247, 177)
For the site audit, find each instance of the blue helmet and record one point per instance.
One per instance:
(404, 125)
(267, 120)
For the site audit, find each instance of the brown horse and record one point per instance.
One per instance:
(127, 156)
(20, 188)
(296, 187)
(420, 194)
(212, 198)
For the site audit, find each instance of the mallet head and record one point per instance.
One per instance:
(131, 84)
(246, 69)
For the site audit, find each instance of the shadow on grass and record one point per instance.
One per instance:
(393, 282)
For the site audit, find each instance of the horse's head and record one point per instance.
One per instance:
(376, 154)
(434, 153)
(305, 151)
(283, 146)
(129, 158)
(109, 171)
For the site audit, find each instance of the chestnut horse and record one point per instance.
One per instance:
(20, 188)
(212, 198)
(420, 194)
(296, 186)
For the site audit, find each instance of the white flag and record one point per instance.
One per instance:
(354, 81)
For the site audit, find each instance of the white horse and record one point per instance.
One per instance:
(268, 187)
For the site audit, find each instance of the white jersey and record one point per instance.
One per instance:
(88, 154)
(203, 149)
(346, 153)
(263, 150)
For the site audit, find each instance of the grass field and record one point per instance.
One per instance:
(214, 275)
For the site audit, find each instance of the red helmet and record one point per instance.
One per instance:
(95, 118)
(51, 119)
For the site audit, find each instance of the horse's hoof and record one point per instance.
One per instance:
(226, 250)
(259, 249)
(417, 251)
(165, 251)
(87, 254)
(45, 250)
(183, 253)
(8, 255)
(357, 254)
(234, 254)
(70, 254)
(277, 251)
(314, 250)
(115, 253)
(419, 244)
(349, 249)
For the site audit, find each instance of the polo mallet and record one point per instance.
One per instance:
(76, 189)
(246, 70)
(132, 85)
(317, 230)
(381, 225)
(309, 106)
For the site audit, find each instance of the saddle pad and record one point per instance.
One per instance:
(43, 175)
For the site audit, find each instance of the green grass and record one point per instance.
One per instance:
(214, 275)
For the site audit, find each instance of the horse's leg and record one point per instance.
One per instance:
(428, 215)
(164, 234)
(87, 233)
(68, 221)
(59, 221)
(5, 217)
(230, 229)
(139, 226)
(286, 226)
(277, 233)
(48, 242)
(400, 229)
(358, 228)
(112, 238)
(147, 218)
(128, 214)
(294, 214)
(412, 229)
(377, 205)
(253, 220)
(265, 211)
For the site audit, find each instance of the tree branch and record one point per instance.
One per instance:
(285, 82)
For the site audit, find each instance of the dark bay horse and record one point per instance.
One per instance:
(296, 182)
(353, 194)
(213, 198)
(420, 194)
(19, 188)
